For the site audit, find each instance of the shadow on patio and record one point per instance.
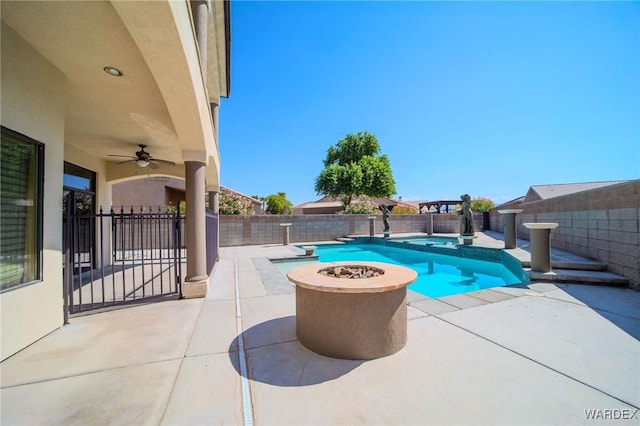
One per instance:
(286, 363)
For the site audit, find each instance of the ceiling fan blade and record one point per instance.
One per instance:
(126, 161)
(163, 161)
(153, 165)
(123, 156)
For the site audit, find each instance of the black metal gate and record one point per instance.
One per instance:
(121, 257)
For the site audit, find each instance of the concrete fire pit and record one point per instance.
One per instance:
(352, 310)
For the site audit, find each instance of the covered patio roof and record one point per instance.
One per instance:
(161, 99)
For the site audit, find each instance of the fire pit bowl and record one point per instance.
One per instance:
(352, 310)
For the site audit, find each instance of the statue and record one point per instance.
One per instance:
(466, 222)
(385, 217)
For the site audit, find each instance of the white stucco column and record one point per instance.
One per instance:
(214, 117)
(197, 279)
(214, 201)
(200, 12)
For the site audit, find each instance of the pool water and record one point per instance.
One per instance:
(438, 275)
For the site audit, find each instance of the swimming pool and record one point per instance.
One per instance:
(438, 275)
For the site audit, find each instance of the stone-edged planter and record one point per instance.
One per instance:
(352, 318)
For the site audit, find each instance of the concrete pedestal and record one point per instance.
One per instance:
(308, 250)
(467, 240)
(285, 233)
(429, 223)
(510, 231)
(540, 245)
(372, 228)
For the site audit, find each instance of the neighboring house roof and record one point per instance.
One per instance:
(332, 203)
(253, 200)
(415, 203)
(544, 192)
(408, 204)
(510, 204)
(318, 204)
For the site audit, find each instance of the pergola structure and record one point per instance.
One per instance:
(438, 205)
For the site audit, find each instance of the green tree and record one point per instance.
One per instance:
(278, 204)
(354, 166)
(482, 204)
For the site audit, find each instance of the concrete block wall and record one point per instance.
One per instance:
(265, 229)
(601, 224)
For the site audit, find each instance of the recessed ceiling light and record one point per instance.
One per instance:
(113, 71)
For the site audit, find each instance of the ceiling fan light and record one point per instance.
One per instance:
(142, 163)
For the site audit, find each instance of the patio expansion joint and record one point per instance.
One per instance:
(245, 384)
(90, 372)
(538, 362)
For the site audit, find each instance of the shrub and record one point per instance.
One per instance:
(482, 204)
(232, 203)
(182, 208)
(404, 210)
(363, 205)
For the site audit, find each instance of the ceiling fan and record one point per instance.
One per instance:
(143, 159)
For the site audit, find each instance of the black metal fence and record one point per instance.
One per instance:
(121, 257)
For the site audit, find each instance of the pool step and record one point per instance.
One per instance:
(345, 239)
(580, 277)
(581, 265)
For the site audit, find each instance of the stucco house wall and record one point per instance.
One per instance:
(33, 88)
(148, 192)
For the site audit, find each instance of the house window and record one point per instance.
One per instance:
(21, 182)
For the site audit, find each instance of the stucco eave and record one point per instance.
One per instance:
(164, 34)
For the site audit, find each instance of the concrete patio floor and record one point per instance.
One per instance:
(539, 353)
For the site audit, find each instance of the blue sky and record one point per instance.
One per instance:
(485, 98)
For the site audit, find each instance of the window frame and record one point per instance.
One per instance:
(39, 182)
